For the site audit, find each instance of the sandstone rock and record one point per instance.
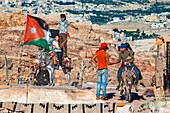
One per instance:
(89, 54)
(9, 63)
(89, 39)
(86, 54)
(24, 54)
(11, 20)
(83, 54)
(2, 63)
(164, 110)
(59, 77)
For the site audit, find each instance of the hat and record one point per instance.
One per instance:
(123, 46)
(62, 16)
(103, 46)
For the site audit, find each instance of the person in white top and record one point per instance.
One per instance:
(58, 52)
(63, 31)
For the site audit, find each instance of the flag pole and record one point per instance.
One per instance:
(25, 30)
(6, 68)
(76, 35)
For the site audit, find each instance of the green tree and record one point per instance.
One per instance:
(143, 35)
(138, 31)
(115, 30)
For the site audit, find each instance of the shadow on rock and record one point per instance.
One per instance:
(135, 96)
(110, 95)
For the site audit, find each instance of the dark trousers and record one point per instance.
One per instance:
(63, 41)
(136, 71)
(59, 56)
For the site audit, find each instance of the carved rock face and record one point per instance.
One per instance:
(2, 63)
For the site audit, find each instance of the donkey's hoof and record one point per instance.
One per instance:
(52, 84)
(121, 92)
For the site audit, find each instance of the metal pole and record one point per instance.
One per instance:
(80, 73)
(6, 68)
(47, 107)
(76, 35)
(101, 108)
(32, 108)
(83, 108)
(167, 66)
(27, 85)
(157, 51)
(69, 108)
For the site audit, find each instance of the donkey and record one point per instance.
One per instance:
(45, 61)
(129, 81)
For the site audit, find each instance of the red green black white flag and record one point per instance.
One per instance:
(37, 33)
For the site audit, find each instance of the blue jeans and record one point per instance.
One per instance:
(135, 69)
(59, 57)
(102, 82)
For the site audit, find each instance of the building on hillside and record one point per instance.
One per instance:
(151, 18)
(116, 36)
(65, 1)
(6, 1)
(157, 25)
(116, 19)
(162, 18)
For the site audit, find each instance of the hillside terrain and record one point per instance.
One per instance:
(84, 48)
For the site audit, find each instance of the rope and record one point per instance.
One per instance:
(76, 35)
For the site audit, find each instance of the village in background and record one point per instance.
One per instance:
(152, 16)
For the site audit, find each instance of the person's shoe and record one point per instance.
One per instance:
(104, 98)
(97, 97)
(56, 67)
(142, 84)
(118, 87)
(121, 92)
(60, 68)
(135, 81)
(136, 89)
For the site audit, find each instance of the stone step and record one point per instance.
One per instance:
(15, 107)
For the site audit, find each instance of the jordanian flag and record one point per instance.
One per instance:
(37, 33)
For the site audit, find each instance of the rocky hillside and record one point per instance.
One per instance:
(89, 39)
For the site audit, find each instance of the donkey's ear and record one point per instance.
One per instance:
(132, 69)
(125, 68)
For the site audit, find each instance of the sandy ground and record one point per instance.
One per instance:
(70, 95)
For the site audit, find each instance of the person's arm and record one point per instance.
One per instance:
(111, 63)
(53, 23)
(132, 57)
(71, 25)
(107, 60)
(53, 44)
(116, 61)
(130, 48)
(94, 59)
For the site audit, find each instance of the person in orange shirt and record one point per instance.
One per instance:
(101, 60)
